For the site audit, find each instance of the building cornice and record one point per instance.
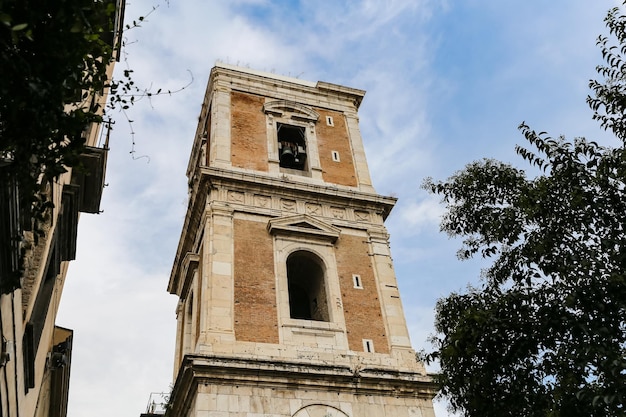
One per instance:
(354, 94)
(286, 184)
(280, 374)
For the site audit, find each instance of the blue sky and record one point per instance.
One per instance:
(447, 82)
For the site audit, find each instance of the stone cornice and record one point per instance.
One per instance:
(354, 95)
(193, 217)
(189, 266)
(280, 374)
(276, 186)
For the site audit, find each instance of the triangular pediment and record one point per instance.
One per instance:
(287, 108)
(303, 224)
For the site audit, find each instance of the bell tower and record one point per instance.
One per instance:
(288, 301)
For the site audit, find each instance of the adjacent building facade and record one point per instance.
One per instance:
(35, 353)
(288, 301)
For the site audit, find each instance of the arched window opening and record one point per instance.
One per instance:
(307, 289)
(291, 146)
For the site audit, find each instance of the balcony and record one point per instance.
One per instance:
(89, 177)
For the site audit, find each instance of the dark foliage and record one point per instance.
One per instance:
(53, 60)
(545, 333)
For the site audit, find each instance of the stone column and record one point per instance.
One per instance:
(358, 153)
(221, 120)
(217, 277)
(393, 314)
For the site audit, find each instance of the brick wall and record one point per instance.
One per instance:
(256, 316)
(248, 132)
(362, 307)
(335, 138)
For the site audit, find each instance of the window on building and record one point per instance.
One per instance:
(358, 283)
(291, 146)
(307, 287)
(35, 326)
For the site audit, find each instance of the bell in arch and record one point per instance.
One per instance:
(287, 158)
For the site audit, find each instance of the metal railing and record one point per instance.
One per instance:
(157, 404)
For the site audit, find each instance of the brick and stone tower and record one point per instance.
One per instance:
(289, 305)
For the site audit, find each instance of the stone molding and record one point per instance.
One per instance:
(284, 108)
(303, 224)
(355, 379)
(189, 266)
(266, 188)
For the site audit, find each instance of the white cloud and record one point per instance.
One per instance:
(118, 313)
(416, 215)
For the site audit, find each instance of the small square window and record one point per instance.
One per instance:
(358, 283)
(329, 121)
(368, 345)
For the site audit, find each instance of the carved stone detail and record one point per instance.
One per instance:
(262, 201)
(235, 197)
(288, 205)
(314, 209)
(362, 216)
(338, 213)
(296, 204)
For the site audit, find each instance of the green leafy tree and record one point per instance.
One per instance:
(54, 60)
(545, 332)
(54, 57)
